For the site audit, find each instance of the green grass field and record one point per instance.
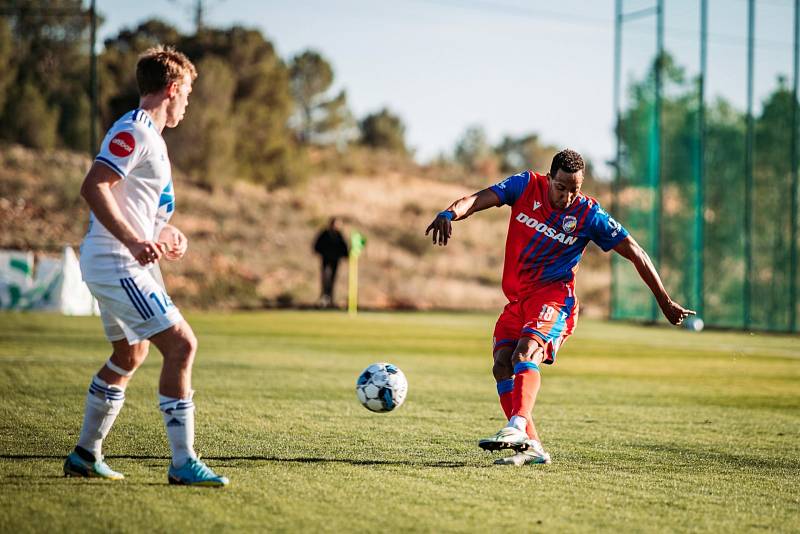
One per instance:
(650, 429)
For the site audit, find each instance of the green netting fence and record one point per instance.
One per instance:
(707, 159)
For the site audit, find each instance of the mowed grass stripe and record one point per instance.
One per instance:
(650, 428)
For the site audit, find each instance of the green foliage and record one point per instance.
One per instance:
(485, 162)
(473, 150)
(318, 118)
(772, 190)
(8, 72)
(205, 141)
(45, 61)
(311, 75)
(236, 124)
(383, 129)
(75, 121)
(29, 120)
(526, 151)
(117, 66)
(262, 103)
(725, 192)
(638, 420)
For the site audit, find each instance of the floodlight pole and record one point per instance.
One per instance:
(655, 157)
(699, 204)
(794, 189)
(93, 78)
(618, 132)
(654, 160)
(748, 176)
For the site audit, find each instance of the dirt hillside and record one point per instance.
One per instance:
(251, 248)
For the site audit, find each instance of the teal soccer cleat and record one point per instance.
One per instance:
(508, 437)
(195, 473)
(75, 466)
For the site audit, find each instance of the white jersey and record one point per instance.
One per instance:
(135, 150)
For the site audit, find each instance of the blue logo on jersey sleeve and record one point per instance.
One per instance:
(167, 198)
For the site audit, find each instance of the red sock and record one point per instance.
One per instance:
(505, 402)
(526, 385)
(504, 389)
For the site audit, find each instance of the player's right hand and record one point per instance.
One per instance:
(675, 313)
(146, 252)
(442, 230)
(174, 242)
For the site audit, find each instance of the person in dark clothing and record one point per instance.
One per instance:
(331, 247)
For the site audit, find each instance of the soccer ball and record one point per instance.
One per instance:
(381, 387)
(694, 324)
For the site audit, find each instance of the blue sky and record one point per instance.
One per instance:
(512, 66)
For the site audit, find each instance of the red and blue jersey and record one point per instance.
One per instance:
(545, 244)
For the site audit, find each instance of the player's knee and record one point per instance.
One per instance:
(191, 343)
(184, 348)
(136, 357)
(178, 344)
(528, 350)
(127, 358)
(502, 368)
(139, 353)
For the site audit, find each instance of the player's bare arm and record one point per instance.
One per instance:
(174, 242)
(458, 210)
(96, 190)
(629, 249)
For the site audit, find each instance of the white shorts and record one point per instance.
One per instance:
(135, 308)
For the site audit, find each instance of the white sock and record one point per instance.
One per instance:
(179, 420)
(103, 403)
(518, 422)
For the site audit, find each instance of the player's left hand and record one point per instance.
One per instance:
(442, 229)
(174, 241)
(675, 313)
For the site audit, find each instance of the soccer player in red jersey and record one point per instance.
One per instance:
(551, 223)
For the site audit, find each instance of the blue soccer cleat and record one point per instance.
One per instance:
(195, 473)
(75, 466)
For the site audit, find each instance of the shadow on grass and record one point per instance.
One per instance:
(259, 458)
(688, 457)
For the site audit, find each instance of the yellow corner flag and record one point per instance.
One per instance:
(357, 242)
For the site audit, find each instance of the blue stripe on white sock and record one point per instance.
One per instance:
(107, 395)
(177, 404)
(117, 393)
(107, 392)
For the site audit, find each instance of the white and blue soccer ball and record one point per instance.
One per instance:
(382, 387)
(693, 324)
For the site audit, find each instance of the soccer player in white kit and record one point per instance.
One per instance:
(130, 193)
